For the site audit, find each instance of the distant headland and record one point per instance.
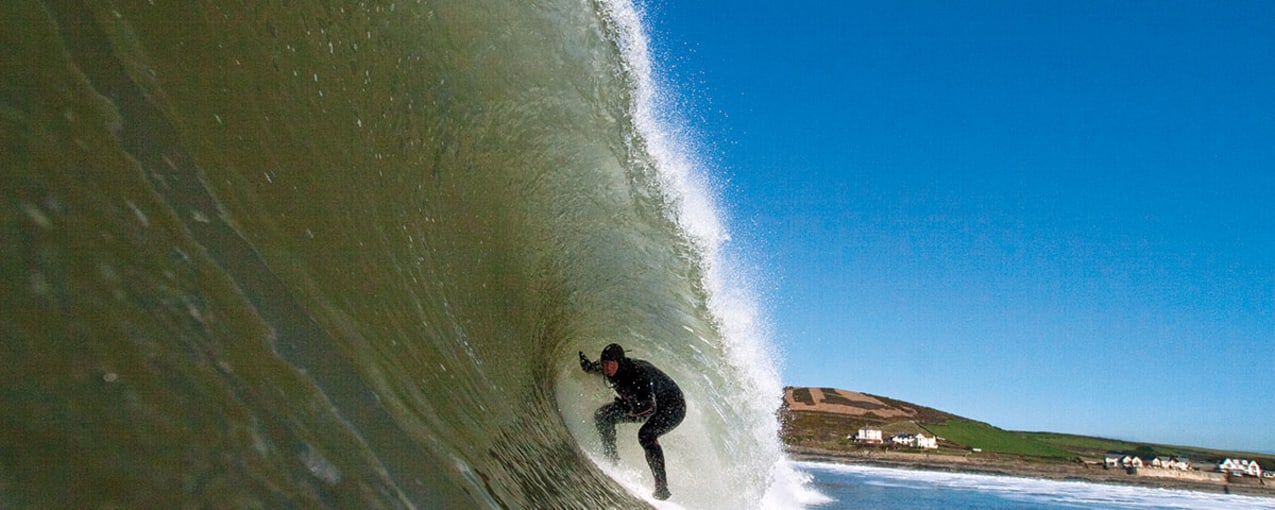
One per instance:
(834, 425)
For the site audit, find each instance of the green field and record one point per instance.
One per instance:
(993, 440)
(1088, 446)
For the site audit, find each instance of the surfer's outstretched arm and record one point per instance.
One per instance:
(591, 367)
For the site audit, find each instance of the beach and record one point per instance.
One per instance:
(1016, 467)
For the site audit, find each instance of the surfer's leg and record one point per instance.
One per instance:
(664, 420)
(655, 459)
(605, 418)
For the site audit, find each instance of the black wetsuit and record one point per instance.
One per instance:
(645, 394)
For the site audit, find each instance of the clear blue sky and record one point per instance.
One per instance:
(1044, 215)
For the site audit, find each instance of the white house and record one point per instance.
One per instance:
(867, 435)
(1178, 463)
(916, 440)
(1112, 460)
(1240, 467)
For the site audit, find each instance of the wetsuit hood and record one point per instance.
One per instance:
(613, 352)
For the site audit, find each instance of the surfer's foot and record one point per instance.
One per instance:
(661, 493)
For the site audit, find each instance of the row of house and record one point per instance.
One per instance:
(874, 436)
(1116, 460)
(1237, 467)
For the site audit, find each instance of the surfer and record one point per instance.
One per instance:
(646, 395)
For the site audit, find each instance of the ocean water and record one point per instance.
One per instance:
(849, 486)
(278, 254)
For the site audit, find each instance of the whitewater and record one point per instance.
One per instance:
(343, 255)
(857, 486)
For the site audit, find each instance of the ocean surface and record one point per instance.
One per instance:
(276, 254)
(895, 489)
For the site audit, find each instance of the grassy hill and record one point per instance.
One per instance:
(1086, 446)
(969, 434)
(825, 418)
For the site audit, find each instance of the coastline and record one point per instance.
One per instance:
(1018, 468)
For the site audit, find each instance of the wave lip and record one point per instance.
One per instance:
(744, 463)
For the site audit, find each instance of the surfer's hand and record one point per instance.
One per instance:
(585, 364)
(643, 413)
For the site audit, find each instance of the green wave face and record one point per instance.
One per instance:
(298, 254)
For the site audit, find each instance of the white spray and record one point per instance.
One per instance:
(730, 299)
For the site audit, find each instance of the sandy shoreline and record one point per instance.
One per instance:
(1022, 469)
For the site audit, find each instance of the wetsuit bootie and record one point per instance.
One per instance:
(661, 493)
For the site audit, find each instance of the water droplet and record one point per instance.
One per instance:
(37, 216)
(319, 466)
(141, 216)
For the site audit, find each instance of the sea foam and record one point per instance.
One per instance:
(1046, 492)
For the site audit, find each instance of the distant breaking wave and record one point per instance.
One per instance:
(320, 254)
